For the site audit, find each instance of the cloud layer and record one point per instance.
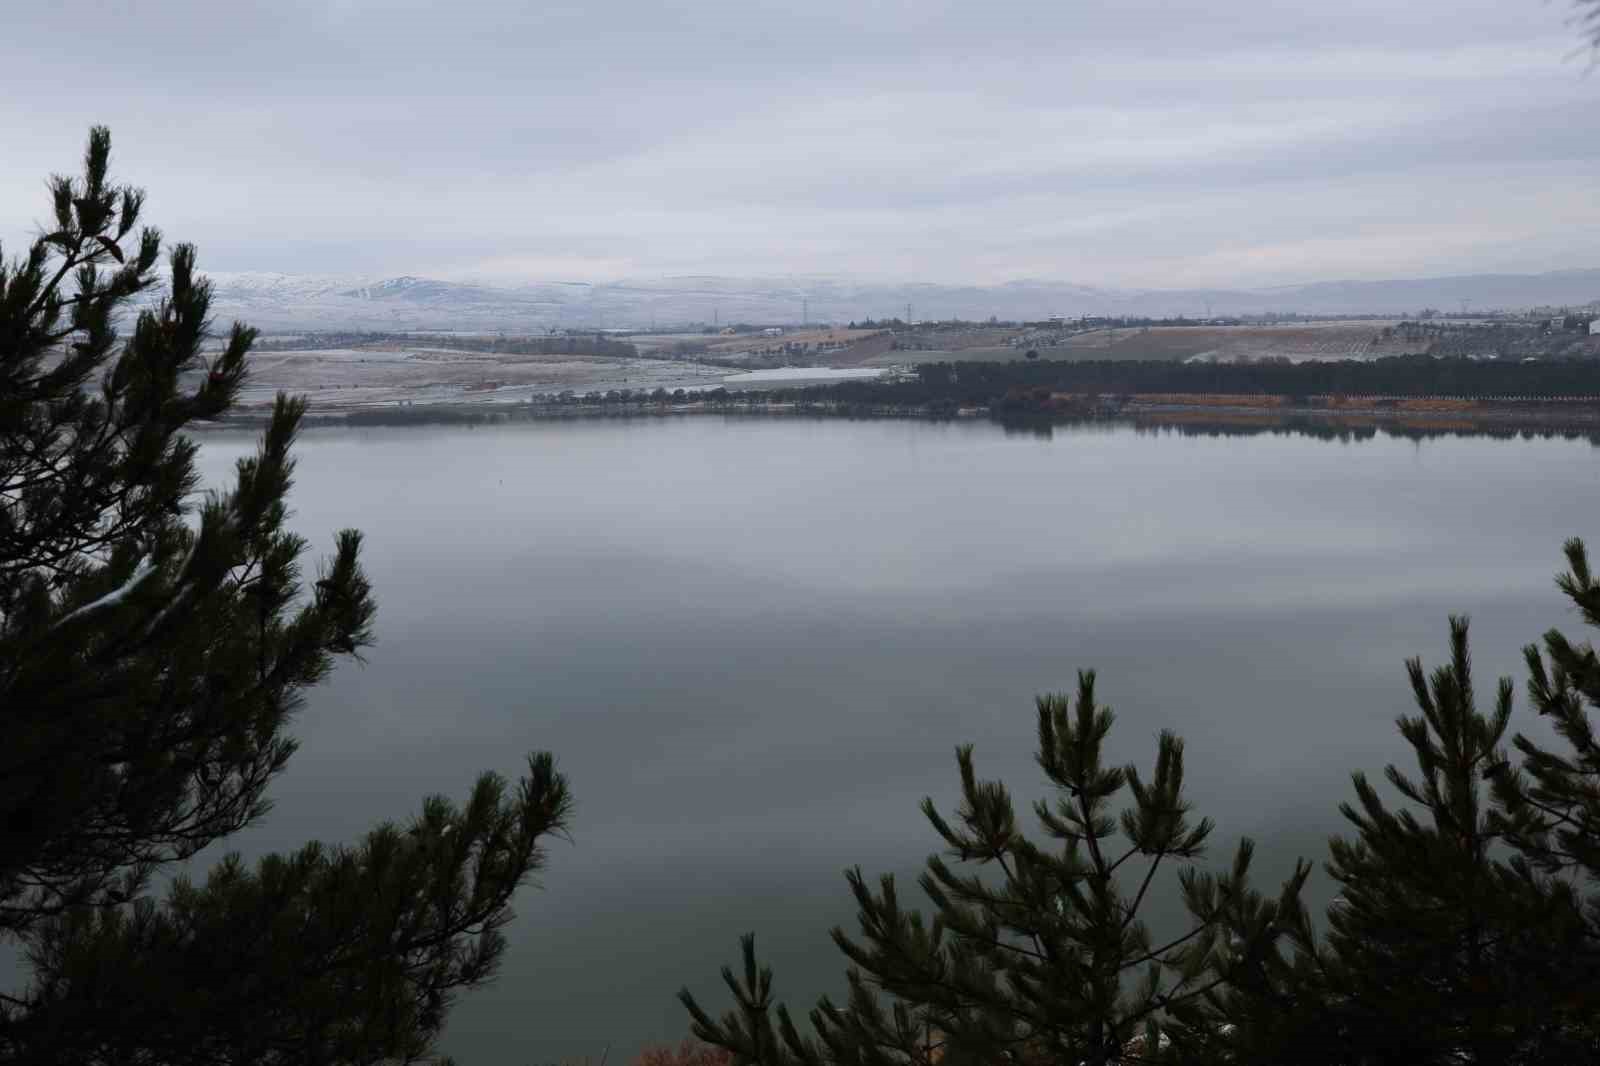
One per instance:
(1114, 142)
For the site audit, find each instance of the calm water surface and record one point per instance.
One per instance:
(754, 645)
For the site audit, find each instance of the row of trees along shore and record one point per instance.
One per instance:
(1022, 384)
(153, 652)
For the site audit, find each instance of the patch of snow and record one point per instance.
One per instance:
(115, 596)
(805, 373)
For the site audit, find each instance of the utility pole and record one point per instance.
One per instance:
(908, 314)
(805, 312)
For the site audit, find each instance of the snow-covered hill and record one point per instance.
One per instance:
(285, 302)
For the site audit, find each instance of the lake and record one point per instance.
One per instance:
(755, 643)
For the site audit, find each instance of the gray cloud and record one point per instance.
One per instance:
(1105, 141)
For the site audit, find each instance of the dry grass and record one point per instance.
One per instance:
(742, 342)
(1353, 340)
(689, 1053)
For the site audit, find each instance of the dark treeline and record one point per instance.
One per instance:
(1399, 376)
(1020, 384)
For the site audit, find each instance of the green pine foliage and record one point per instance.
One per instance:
(1462, 933)
(1439, 940)
(1549, 807)
(1554, 805)
(1034, 952)
(152, 655)
(1466, 930)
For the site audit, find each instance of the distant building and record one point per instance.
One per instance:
(1594, 327)
(772, 331)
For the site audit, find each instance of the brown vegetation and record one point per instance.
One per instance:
(1334, 340)
(689, 1053)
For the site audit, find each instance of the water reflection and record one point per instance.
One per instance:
(755, 642)
(1343, 431)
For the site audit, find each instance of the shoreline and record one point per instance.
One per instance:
(1464, 416)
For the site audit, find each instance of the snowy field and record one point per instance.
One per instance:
(790, 375)
(345, 377)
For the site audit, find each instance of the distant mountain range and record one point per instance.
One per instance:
(287, 302)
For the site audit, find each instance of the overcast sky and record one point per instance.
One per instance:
(1116, 142)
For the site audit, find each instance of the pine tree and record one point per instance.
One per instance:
(1444, 946)
(1438, 943)
(152, 655)
(1550, 805)
(1588, 20)
(1038, 955)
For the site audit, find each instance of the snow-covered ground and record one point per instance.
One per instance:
(793, 374)
(341, 378)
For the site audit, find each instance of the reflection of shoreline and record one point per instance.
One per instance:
(1196, 415)
(1502, 421)
(1319, 422)
(1352, 411)
(1461, 417)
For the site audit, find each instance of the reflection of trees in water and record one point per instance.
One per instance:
(1288, 426)
(1042, 425)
